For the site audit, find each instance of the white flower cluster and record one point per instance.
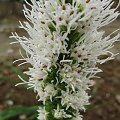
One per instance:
(42, 114)
(60, 113)
(63, 47)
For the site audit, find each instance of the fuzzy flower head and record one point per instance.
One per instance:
(42, 114)
(60, 113)
(63, 48)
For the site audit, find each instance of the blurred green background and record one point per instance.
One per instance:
(18, 103)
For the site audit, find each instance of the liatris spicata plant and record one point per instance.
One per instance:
(63, 48)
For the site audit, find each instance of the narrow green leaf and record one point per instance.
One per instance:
(18, 110)
(19, 72)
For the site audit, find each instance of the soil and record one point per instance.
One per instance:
(106, 94)
(9, 92)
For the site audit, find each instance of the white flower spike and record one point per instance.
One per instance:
(63, 47)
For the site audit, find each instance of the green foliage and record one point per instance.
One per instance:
(52, 28)
(68, 1)
(63, 29)
(19, 110)
(51, 106)
(19, 72)
(74, 36)
(51, 76)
